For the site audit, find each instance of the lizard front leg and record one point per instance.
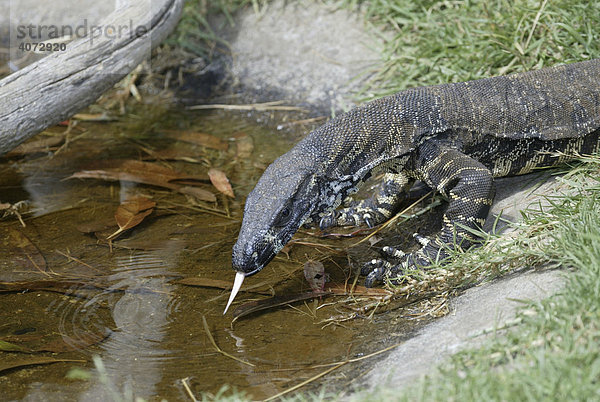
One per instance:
(374, 210)
(469, 187)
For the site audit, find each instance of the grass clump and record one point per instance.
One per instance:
(434, 42)
(194, 33)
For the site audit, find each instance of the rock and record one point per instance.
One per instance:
(479, 309)
(304, 52)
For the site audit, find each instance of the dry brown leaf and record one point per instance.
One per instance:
(314, 272)
(131, 213)
(198, 138)
(146, 173)
(221, 182)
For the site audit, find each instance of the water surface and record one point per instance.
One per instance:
(122, 301)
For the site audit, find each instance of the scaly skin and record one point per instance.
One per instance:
(455, 137)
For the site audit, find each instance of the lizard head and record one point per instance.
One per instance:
(283, 199)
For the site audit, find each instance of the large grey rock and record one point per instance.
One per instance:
(303, 51)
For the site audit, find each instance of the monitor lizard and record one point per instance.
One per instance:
(454, 137)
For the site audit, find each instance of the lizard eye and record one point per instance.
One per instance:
(284, 216)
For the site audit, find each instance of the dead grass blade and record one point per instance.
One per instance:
(217, 348)
(303, 383)
(259, 107)
(187, 388)
(335, 366)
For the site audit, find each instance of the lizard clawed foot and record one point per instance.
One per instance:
(381, 270)
(352, 216)
(378, 270)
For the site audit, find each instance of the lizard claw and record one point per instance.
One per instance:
(352, 216)
(328, 220)
(368, 220)
(379, 270)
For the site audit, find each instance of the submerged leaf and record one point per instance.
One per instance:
(27, 361)
(198, 138)
(25, 253)
(265, 304)
(131, 213)
(40, 145)
(96, 226)
(135, 171)
(221, 182)
(51, 285)
(10, 347)
(244, 145)
(50, 342)
(145, 173)
(199, 193)
(62, 344)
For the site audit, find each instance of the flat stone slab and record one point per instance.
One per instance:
(479, 309)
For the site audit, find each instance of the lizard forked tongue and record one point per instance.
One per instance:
(237, 284)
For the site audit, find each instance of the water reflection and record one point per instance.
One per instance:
(132, 355)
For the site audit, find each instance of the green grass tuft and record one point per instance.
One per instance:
(434, 42)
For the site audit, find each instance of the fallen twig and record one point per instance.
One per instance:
(276, 105)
